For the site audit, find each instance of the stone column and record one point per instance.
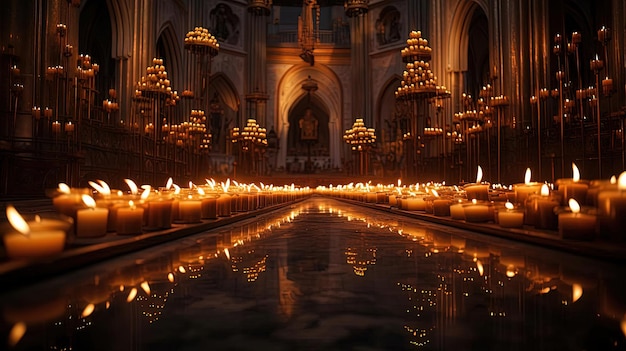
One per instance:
(361, 87)
(256, 43)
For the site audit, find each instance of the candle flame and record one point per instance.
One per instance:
(575, 172)
(17, 221)
(99, 188)
(170, 277)
(227, 253)
(435, 193)
(182, 269)
(191, 185)
(201, 191)
(527, 176)
(621, 182)
(509, 206)
(479, 174)
(64, 188)
(89, 201)
(131, 295)
(474, 201)
(146, 287)
(169, 183)
(145, 193)
(176, 189)
(480, 267)
(613, 180)
(88, 310)
(17, 332)
(399, 182)
(226, 185)
(545, 190)
(574, 206)
(577, 292)
(131, 204)
(105, 186)
(133, 187)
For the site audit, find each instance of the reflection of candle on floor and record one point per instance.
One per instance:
(91, 221)
(509, 217)
(576, 225)
(34, 239)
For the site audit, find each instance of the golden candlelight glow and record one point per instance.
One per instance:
(170, 277)
(146, 287)
(88, 310)
(574, 206)
(575, 172)
(169, 183)
(511, 271)
(145, 193)
(64, 188)
(17, 221)
(89, 201)
(577, 292)
(480, 267)
(182, 269)
(227, 253)
(527, 176)
(17, 332)
(479, 175)
(509, 205)
(545, 190)
(131, 295)
(133, 187)
(621, 182)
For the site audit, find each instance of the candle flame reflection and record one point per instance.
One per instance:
(16, 334)
(577, 292)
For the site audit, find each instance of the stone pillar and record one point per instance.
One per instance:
(256, 42)
(361, 87)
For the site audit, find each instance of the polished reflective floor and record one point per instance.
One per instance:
(327, 275)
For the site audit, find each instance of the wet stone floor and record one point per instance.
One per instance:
(326, 275)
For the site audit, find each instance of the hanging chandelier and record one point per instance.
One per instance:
(308, 30)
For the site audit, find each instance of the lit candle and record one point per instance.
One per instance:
(159, 212)
(573, 188)
(612, 211)
(522, 191)
(129, 219)
(545, 205)
(478, 211)
(69, 127)
(38, 238)
(224, 200)
(576, 225)
(190, 209)
(68, 200)
(209, 206)
(91, 221)
(478, 190)
(456, 209)
(509, 217)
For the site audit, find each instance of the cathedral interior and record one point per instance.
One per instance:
(516, 87)
(319, 139)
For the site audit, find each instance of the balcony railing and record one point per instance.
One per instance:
(336, 37)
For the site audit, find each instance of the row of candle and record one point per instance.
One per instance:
(94, 212)
(577, 209)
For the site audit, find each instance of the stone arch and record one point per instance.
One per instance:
(223, 92)
(330, 95)
(172, 53)
(459, 41)
(121, 28)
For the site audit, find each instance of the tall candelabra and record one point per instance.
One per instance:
(360, 139)
(252, 141)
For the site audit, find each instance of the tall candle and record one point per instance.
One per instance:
(545, 205)
(223, 205)
(91, 221)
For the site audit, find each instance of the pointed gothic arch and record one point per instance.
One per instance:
(168, 43)
(223, 93)
(330, 95)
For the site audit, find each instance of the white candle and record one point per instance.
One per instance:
(91, 221)
(38, 238)
(509, 217)
(477, 211)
